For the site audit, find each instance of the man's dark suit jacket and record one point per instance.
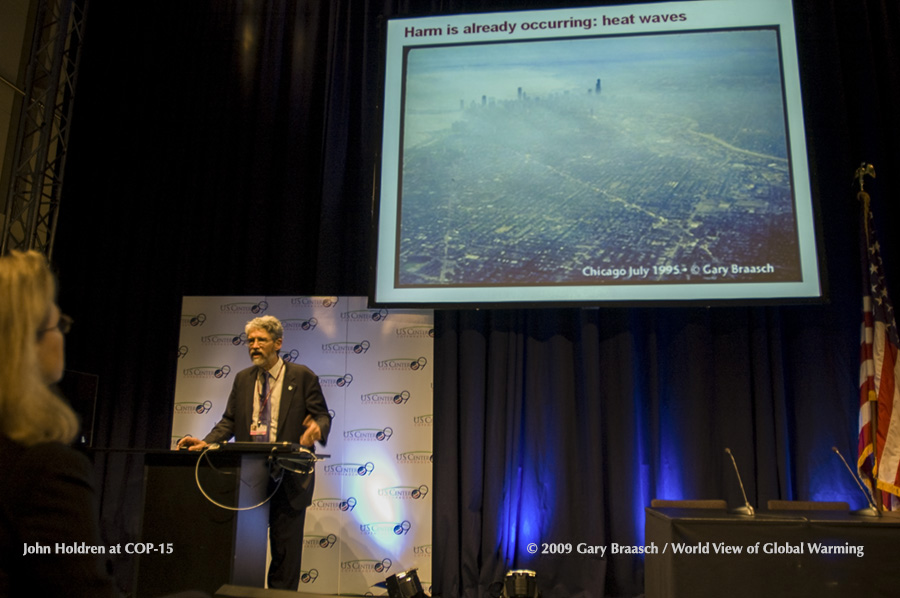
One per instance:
(301, 395)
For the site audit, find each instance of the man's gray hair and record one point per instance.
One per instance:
(270, 324)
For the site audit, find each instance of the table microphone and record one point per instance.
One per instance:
(746, 509)
(871, 510)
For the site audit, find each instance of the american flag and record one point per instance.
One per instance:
(879, 375)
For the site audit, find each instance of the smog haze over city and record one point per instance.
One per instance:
(612, 160)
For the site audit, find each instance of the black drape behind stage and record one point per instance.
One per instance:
(228, 148)
(560, 427)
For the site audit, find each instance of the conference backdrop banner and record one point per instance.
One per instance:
(371, 512)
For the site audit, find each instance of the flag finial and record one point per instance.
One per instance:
(861, 172)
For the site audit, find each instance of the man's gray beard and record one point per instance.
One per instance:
(257, 360)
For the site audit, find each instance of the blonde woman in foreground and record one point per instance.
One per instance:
(47, 505)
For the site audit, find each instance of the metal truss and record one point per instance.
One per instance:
(39, 158)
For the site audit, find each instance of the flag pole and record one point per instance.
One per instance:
(863, 197)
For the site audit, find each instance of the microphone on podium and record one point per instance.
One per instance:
(746, 509)
(871, 510)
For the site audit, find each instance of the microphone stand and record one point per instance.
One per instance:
(871, 510)
(746, 509)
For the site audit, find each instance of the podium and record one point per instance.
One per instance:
(187, 542)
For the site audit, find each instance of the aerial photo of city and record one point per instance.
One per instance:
(646, 159)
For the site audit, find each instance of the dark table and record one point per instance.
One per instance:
(706, 552)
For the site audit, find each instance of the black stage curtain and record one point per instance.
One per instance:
(229, 147)
(559, 427)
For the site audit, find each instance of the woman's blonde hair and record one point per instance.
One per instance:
(30, 411)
